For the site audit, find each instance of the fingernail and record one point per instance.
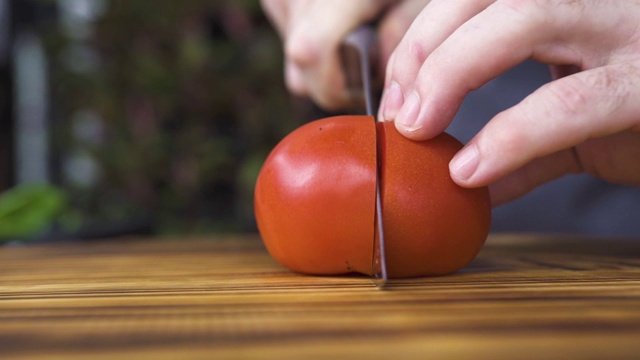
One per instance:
(408, 114)
(393, 100)
(465, 163)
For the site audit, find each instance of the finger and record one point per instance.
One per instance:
(395, 24)
(315, 33)
(562, 114)
(532, 175)
(294, 79)
(612, 158)
(498, 38)
(431, 27)
(391, 30)
(320, 73)
(439, 86)
(560, 71)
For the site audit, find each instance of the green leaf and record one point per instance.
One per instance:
(27, 210)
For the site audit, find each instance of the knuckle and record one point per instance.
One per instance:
(503, 137)
(417, 52)
(510, 140)
(600, 92)
(406, 62)
(613, 85)
(569, 98)
(301, 50)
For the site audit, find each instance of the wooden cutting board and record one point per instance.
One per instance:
(524, 297)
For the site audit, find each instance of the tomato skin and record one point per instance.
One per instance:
(432, 226)
(315, 195)
(315, 201)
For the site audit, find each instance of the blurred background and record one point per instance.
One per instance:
(136, 116)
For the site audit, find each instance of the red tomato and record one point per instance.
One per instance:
(314, 198)
(432, 226)
(315, 201)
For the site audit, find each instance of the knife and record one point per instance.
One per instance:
(358, 53)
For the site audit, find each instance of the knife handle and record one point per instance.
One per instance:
(358, 53)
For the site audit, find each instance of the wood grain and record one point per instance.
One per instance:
(524, 297)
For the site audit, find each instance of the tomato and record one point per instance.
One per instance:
(315, 201)
(314, 197)
(432, 226)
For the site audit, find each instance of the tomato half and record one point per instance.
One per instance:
(432, 226)
(314, 197)
(315, 201)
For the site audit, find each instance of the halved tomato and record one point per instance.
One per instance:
(315, 201)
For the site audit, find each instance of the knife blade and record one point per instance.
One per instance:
(358, 55)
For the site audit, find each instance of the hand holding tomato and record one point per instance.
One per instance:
(586, 120)
(315, 201)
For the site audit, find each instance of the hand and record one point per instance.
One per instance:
(586, 121)
(313, 29)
